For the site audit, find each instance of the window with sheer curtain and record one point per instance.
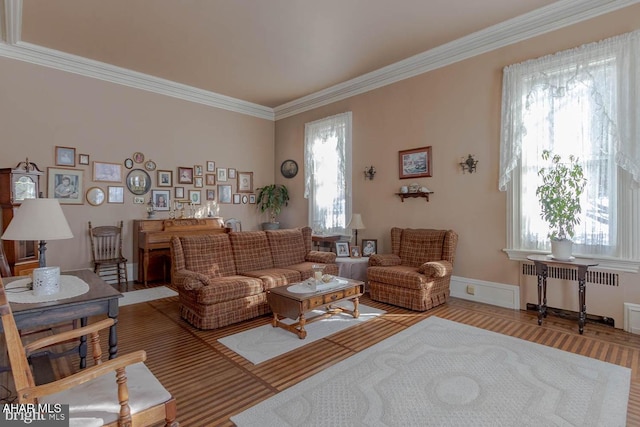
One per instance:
(327, 167)
(584, 102)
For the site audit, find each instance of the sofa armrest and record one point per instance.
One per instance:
(189, 280)
(384, 260)
(320, 257)
(436, 269)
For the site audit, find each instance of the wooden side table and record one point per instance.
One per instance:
(542, 263)
(324, 240)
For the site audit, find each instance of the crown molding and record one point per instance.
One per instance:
(549, 18)
(546, 19)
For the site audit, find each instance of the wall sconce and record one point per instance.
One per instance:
(369, 172)
(469, 164)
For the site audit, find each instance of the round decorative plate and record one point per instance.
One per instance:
(150, 165)
(289, 168)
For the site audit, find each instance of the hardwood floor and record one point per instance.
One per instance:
(211, 383)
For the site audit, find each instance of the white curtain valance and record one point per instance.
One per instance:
(584, 65)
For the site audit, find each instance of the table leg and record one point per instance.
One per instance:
(356, 302)
(302, 334)
(113, 333)
(582, 289)
(274, 321)
(541, 271)
(82, 348)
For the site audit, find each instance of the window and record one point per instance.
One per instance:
(327, 161)
(582, 102)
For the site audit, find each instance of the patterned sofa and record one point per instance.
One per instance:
(223, 278)
(417, 274)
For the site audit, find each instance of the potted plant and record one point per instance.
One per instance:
(559, 196)
(272, 198)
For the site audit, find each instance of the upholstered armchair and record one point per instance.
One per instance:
(417, 274)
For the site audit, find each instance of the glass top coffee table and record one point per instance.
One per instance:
(294, 303)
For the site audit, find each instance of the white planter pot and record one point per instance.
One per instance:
(561, 249)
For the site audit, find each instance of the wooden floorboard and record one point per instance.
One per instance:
(211, 383)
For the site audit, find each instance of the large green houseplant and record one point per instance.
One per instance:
(272, 198)
(559, 197)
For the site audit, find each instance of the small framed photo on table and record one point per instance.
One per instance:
(355, 252)
(342, 249)
(369, 247)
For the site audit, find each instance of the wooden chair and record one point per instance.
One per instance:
(129, 396)
(106, 253)
(5, 270)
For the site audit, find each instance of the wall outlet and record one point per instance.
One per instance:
(471, 290)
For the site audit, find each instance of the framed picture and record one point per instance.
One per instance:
(138, 157)
(83, 159)
(222, 175)
(289, 168)
(138, 200)
(107, 172)
(414, 163)
(252, 199)
(128, 163)
(198, 182)
(211, 194)
(369, 247)
(194, 197)
(161, 199)
(165, 178)
(179, 192)
(342, 249)
(65, 156)
(236, 199)
(231, 173)
(245, 199)
(355, 252)
(197, 170)
(95, 196)
(211, 166)
(185, 175)
(210, 178)
(224, 193)
(245, 182)
(115, 194)
(66, 185)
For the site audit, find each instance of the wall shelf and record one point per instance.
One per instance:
(413, 195)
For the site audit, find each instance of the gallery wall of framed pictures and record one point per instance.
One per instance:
(138, 179)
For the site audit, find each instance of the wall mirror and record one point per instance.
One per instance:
(138, 182)
(95, 196)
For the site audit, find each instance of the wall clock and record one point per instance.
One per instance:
(289, 168)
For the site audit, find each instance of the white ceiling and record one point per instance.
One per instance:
(273, 57)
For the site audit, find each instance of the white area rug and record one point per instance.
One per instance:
(443, 373)
(266, 342)
(144, 295)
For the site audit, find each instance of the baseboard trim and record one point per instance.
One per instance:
(501, 295)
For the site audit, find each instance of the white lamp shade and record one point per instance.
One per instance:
(356, 222)
(38, 219)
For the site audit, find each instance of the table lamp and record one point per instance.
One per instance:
(356, 224)
(38, 219)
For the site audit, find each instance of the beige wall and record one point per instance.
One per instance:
(41, 108)
(456, 110)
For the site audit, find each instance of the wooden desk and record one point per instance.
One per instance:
(322, 240)
(152, 242)
(102, 298)
(542, 262)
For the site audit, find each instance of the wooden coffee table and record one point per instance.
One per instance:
(292, 305)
